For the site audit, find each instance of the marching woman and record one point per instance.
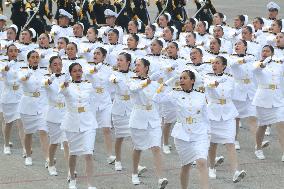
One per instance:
(55, 113)
(11, 96)
(145, 121)
(99, 77)
(244, 87)
(79, 122)
(269, 97)
(192, 126)
(31, 105)
(222, 114)
(44, 49)
(122, 105)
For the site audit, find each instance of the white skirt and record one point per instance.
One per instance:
(168, 113)
(223, 132)
(245, 108)
(33, 123)
(144, 139)
(11, 112)
(81, 143)
(104, 117)
(121, 125)
(190, 151)
(56, 135)
(268, 116)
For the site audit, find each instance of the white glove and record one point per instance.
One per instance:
(114, 79)
(98, 67)
(249, 59)
(28, 74)
(61, 52)
(172, 80)
(221, 80)
(155, 76)
(77, 8)
(52, 78)
(67, 78)
(266, 61)
(174, 65)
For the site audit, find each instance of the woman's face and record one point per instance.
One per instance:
(266, 52)
(25, 37)
(149, 32)
(122, 63)
(280, 40)
(131, 42)
(246, 35)
(162, 22)
(12, 53)
(167, 34)
(189, 39)
(112, 37)
(11, 34)
(275, 28)
(217, 20)
(155, 48)
(237, 22)
(240, 47)
(195, 56)
(43, 40)
(189, 26)
(76, 73)
(140, 69)
(132, 28)
(200, 28)
(172, 50)
(71, 50)
(185, 81)
(33, 59)
(217, 66)
(91, 35)
(98, 56)
(56, 66)
(256, 24)
(214, 46)
(61, 44)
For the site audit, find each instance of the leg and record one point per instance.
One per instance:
(52, 150)
(21, 132)
(118, 144)
(237, 128)
(166, 133)
(157, 160)
(28, 144)
(72, 166)
(203, 173)
(66, 153)
(252, 123)
(135, 160)
(280, 132)
(89, 168)
(107, 140)
(259, 136)
(44, 143)
(184, 176)
(212, 154)
(7, 132)
(232, 154)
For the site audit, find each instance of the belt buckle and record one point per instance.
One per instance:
(160, 81)
(60, 105)
(272, 86)
(81, 109)
(15, 87)
(99, 90)
(202, 89)
(189, 120)
(246, 81)
(222, 101)
(126, 97)
(36, 94)
(148, 107)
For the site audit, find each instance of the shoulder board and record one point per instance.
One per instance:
(199, 91)
(164, 57)
(278, 61)
(125, 49)
(223, 52)
(86, 81)
(3, 60)
(91, 62)
(47, 74)
(135, 77)
(24, 68)
(233, 54)
(64, 58)
(250, 54)
(84, 41)
(177, 89)
(210, 74)
(255, 42)
(189, 63)
(230, 75)
(21, 61)
(80, 57)
(43, 67)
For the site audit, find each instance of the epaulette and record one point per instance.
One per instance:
(86, 81)
(47, 74)
(65, 58)
(200, 91)
(91, 62)
(255, 42)
(21, 61)
(230, 75)
(3, 60)
(43, 67)
(278, 61)
(210, 74)
(25, 67)
(223, 52)
(177, 88)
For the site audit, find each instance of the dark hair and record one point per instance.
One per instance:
(194, 34)
(114, 31)
(203, 23)
(11, 45)
(135, 36)
(95, 30)
(166, 16)
(279, 23)
(219, 27)
(135, 23)
(223, 59)
(260, 20)
(175, 44)
(198, 49)
(80, 24)
(103, 51)
(270, 47)
(159, 42)
(171, 29)
(192, 21)
(29, 31)
(30, 53)
(14, 29)
(245, 44)
(72, 66)
(153, 27)
(249, 28)
(126, 55)
(190, 74)
(64, 39)
(53, 58)
(73, 43)
(145, 62)
(218, 40)
(242, 18)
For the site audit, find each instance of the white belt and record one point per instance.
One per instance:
(244, 81)
(221, 101)
(32, 94)
(268, 86)
(99, 90)
(79, 109)
(148, 107)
